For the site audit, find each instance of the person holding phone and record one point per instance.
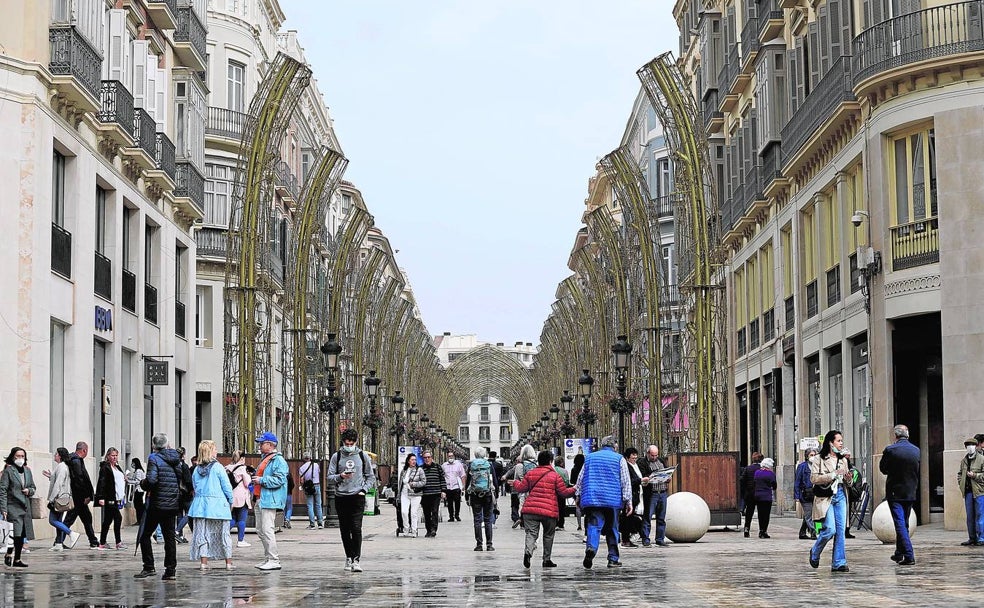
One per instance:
(830, 474)
(351, 471)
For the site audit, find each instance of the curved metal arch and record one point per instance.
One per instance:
(487, 370)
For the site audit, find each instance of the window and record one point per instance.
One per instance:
(504, 414)
(484, 416)
(809, 245)
(218, 186)
(203, 316)
(178, 401)
(58, 189)
(56, 385)
(663, 177)
(463, 433)
(504, 433)
(236, 87)
(914, 171)
(100, 220)
(103, 271)
(484, 434)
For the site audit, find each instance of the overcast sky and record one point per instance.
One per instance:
(472, 127)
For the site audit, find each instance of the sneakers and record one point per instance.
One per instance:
(181, 539)
(145, 573)
(355, 565)
(320, 525)
(120, 546)
(764, 535)
(311, 526)
(73, 538)
(168, 575)
(243, 544)
(614, 564)
(101, 548)
(549, 564)
(56, 548)
(907, 561)
(489, 548)
(588, 558)
(348, 564)
(269, 565)
(478, 547)
(287, 524)
(842, 569)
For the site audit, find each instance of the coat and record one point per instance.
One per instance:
(163, 468)
(975, 485)
(823, 471)
(14, 503)
(543, 485)
(82, 489)
(747, 482)
(60, 483)
(273, 484)
(213, 493)
(241, 496)
(802, 482)
(106, 483)
(765, 485)
(416, 483)
(900, 464)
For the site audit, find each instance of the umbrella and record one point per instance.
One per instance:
(140, 531)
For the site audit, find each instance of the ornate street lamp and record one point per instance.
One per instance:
(621, 351)
(586, 416)
(330, 404)
(373, 419)
(554, 413)
(566, 403)
(398, 427)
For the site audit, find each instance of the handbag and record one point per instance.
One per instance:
(6, 534)
(823, 491)
(63, 503)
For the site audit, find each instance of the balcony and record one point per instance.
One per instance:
(770, 21)
(129, 291)
(76, 68)
(713, 117)
(728, 88)
(163, 175)
(286, 183)
(211, 243)
(61, 251)
(665, 205)
(150, 303)
(189, 40)
(915, 244)
(770, 170)
(144, 136)
(189, 192)
(820, 108)
(180, 317)
(164, 13)
(226, 127)
(749, 46)
(103, 277)
(950, 31)
(115, 114)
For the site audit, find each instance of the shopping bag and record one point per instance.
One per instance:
(370, 502)
(6, 534)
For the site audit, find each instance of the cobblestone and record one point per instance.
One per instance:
(723, 569)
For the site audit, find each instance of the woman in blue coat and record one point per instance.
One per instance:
(211, 509)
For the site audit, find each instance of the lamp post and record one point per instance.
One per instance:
(566, 402)
(397, 401)
(554, 413)
(424, 424)
(869, 263)
(373, 420)
(584, 384)
(330, 404)
(412, 414)
(620, 405)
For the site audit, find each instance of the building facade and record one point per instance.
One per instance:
(840, 134)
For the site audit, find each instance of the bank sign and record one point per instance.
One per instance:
(104, 319)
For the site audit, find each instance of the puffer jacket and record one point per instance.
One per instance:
(162, 480)
(543, 485)
(975, 485)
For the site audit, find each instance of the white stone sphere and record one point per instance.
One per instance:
(883, 526)
(687, 517)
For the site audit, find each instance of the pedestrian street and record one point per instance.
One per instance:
(723, 569)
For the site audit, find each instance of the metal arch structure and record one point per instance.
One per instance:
(301, 359)
(247, 367)
(696, 215)
(487, 370)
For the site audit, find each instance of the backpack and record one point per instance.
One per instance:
(481, 478)
(232, 476)
(366, 464)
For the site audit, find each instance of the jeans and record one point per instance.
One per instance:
(265, 522)
(81, 511)
(483, 517)
(350, 509)
(289, 509)
(314, 505)
(431, 504)
(807, 527)
(410, 509)
(111, 515)
(980, 518)
(55, 519)
(900, 517)
(598, 521)
(165, 519)
(532, 524)
(454, 504)
(833, 527)
(656, 506)
(239, 515)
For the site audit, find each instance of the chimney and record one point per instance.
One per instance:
(447, 333)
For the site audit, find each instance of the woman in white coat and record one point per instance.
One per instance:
(60, 497)
(412, 482)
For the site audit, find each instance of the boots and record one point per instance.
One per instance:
(747, 530)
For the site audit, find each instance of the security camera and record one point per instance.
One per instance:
(856, 219)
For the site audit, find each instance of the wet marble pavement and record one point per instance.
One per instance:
(724, 569)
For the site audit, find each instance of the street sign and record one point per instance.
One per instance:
(155, 373)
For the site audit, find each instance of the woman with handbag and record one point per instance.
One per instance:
(16, 489)
(111, 496)
(632, 524)
(60, 501)
(134, 493)
(830, 475)
(210, 509)
(412, 482)
(242, 496)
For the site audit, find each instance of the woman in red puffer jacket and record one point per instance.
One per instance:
(544, 485)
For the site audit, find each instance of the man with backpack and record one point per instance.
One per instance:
(481, 487)
(310, 474)
(351, 471)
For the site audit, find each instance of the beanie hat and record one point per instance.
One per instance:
(768, 463)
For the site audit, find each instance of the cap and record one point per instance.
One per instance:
(971, 441)
(768, 463)
(267, 436)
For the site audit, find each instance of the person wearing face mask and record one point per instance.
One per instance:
(829, 474)
(803, 493)
(351, 471)
(970, 479)
(16, 489)
(60, 501)
(454, 477)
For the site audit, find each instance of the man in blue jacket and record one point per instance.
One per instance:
(900, 463)
(270, 496)
(603, 489)
(163, 506)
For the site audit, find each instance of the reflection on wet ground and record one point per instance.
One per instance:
(724, 569)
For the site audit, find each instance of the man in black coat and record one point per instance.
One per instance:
(163, 506)
(900, 463)
(82, 492)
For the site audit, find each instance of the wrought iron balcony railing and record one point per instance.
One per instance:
(190, 184)
(226, 123)
(72, 55)
(915, 244)
(129, 291)
(150, 303)
(833, 89)
(145, 132)
(211, 242)
(164, 155)
(116, 105)
(190, 29)
(180, 317)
